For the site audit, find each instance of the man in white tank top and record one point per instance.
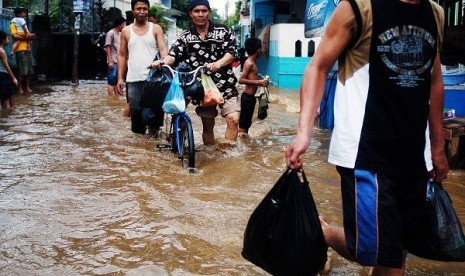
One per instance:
(140, 42)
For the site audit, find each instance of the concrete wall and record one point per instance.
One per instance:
(280, 63)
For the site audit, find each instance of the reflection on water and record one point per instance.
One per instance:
(80, 194)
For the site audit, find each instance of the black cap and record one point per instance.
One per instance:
(195, 3)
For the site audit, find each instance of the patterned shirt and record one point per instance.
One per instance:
(190, 48)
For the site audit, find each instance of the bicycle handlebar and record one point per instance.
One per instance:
(194, 72)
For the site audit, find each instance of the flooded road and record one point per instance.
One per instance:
(82, 195)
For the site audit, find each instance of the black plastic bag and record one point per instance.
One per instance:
(194, 91)
(155, 88)
(284, 235)
(442, 238)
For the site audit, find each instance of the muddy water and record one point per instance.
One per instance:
(81, 195)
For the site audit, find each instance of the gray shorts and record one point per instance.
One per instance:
(24, 62)
(230, 105)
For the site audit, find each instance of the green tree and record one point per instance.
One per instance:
(61, 15)
(21, 3)
(234, 20)
(181, 5)
(33, 6)
(159, 13)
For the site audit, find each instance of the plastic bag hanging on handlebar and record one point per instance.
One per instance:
(212, 95)
(194, 91)
(174, 102)
(441, 236)
(155, 88)
(284, 235)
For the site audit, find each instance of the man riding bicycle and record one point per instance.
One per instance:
(212, 45)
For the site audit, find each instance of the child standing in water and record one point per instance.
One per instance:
(6, 76)
(21, 26)
(249, 77)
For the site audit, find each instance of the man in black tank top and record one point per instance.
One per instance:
(387, 137)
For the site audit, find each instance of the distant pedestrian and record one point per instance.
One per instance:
(112, 41)
(6, 76)
(23, 54)
(21, 26)
(249, 77)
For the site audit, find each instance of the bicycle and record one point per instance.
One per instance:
(179, 131)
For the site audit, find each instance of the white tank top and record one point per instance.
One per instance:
(142, 50)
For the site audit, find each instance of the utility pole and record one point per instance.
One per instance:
(79, 7)
(77, 26)
(46, 4)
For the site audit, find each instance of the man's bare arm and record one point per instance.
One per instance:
(336, 38)
(438, 155)
(122, 59)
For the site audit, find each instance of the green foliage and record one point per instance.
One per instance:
(33, 6)
(185, 21)
(215, 17)
(235, 18)
(158, 13)
(61, 15)
(21, 3)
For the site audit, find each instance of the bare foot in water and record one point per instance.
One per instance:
(29, 91)
(20, 92)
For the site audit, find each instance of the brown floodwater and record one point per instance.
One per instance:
(82, 195)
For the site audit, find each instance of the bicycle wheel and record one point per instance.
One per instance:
(187, 150)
